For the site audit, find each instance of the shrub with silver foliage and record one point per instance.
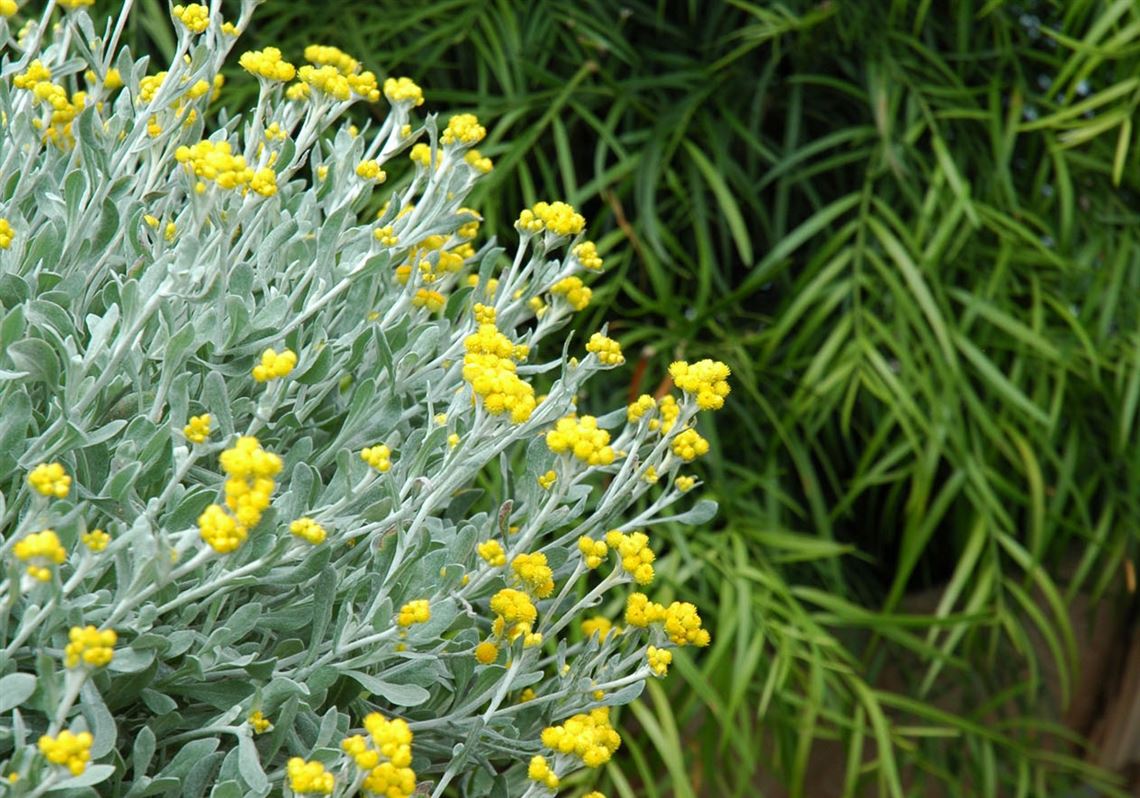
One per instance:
(143, 277)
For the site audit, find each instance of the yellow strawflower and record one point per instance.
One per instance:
(72, 751)
(50, 479)
(274, 365)
(198, 428)
(40, 550)
(308, 777)
(378, 457)
(196, 17)
(607, 350)
(267, 64)
(581, 438)
(417, 611)
(89, 646)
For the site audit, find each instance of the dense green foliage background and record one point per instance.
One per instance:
(908, 227)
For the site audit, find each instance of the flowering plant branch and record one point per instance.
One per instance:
(281, 504)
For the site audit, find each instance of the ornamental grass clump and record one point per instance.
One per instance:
(296, 495)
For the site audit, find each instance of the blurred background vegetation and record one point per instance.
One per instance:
(909, 228)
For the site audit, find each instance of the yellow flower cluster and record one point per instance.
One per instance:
(421, 154)
(641, 612)
(198, 428)
(264, 181)
(215, 161)
(489, 367)
(392, 738)
(220, 530)
(8, 8)
(74, 4)
(546, 481)
(196, 17)
(558, 218)
(250, 471)
(370, 170)
(706, 379)
(513, 607)
(40, 550)
(403, 90)
(515, 615)
(594, 552)
(590, 737)
(308, 530)
(308, 777)
(685, 483)
(463, 129)
(448, 261)
(607, 350)
(37, 80)
(325, 55)
(478, 162)
(689, 445)
(96, 540)
(434, 301)
(364, 85)
(539, 770)
(484, 314)
(386, 235)
(72, 751)
(683, 625)
(275, 132)
(492, 553)
(640, 407)
(337, 74)
(581, 438)
(587, 255)
(532, 571)
(6, 234)
(667, 411)
(267, 64)
(470, 228)
(149, 86)
(64, 110)
(576, 293)
(89, 646)
(36, 72)
(327, 80)
(386, 755)
(598, 625)
(388, 780)
(274, 365)
(417, 611)
(379, 457)
(636, 556)
(50, 479)
(198, 89)
(680, 619)
(258, 722)
(659, 660)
